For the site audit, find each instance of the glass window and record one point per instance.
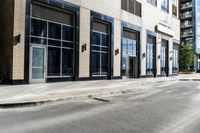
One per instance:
(105, 40)
(165, 5)
(129, 48)
(67, 62)
(163, 60)
(54, 43)
(104, 63)
(132, 6)
(100, 47)
(54, 31)
(95, 38)
(150, 57)
(153, 2)
(175, 61)
(35, 40)
(95, 63)
(54, 61)
(68, 33)
(59, 39)
(38, 28)
(174, 7)
(68, 44)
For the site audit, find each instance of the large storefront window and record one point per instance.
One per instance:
(150, 58)
(198, 67)
(60, 45)
(165, 5)
(197, 26)
(164, 58)
(175, 61)
(153, 2)
(100, 49)
(57, 38)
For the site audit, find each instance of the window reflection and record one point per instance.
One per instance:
(100, 47)
(60, 52)
(150, 58)
(54, 61)
(175, 61)
(129, 48)
(163, 60)
(38, 28)
(54, 31)
(68, 33)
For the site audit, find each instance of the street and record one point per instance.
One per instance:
(165, 107)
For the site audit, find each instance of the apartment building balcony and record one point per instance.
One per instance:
(186, 6)
(186, 26)
(184, 1)
(185, 16)
(187, 35)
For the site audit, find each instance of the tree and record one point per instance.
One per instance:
(186, 58)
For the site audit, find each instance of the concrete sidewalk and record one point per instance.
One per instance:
(34, 94)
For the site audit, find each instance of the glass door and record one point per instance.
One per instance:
(37, 64)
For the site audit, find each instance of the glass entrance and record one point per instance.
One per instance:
(129, 58)
(56, 33)
(37, 64)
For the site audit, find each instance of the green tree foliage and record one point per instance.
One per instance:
(186, 58)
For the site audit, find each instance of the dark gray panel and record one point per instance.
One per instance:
(51, 14)
(130, 35)
(101, 27)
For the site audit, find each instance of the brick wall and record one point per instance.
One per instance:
(18, 50)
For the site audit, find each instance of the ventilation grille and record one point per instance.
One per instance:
(101, 27)
(151, 39)
(130, 35)
(51, 14)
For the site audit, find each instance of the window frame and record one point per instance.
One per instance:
(134, 11)
(153, 3)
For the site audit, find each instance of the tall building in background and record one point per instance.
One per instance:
(190, 26)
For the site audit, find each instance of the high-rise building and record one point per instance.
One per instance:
(62, 40)
(190, 27)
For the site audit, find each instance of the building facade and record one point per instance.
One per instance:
(190, 26)
(62, 40)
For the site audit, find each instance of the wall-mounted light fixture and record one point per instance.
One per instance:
(116, 51)
(171, 51)
(83, 48)
(170, 58)
(143, 55)
(158, 56)
(17, 39)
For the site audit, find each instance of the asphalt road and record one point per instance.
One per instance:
(171, 107)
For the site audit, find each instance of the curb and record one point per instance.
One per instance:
(80, 97)
(189, 79)
(27, 104)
